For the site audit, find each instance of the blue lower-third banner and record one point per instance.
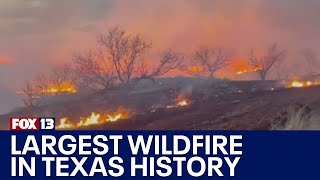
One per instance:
(160, 154)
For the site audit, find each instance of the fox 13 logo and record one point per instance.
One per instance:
(32, 123)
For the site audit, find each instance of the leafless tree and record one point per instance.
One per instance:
(41, 82)
(265, 63)
(280, 70)
(206, 62)
(30, 97)
(169, 60)
(59, 77)
(312, 60)
(95, 70)
(126, 52)
(66, 73)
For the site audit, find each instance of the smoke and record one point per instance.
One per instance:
(4, 59)
(56, 29)
(241, 25)
(41, 34)
(185, 25)
(237, 25)
(8, 100)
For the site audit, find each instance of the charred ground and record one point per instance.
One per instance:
(214, 105)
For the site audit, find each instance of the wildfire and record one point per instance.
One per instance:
(61, 88)
(301, 84)
(196, 70)
(94, 119)
(181, 102)
(114, 118)
(297, 84)
(65, 124)
(248, 70)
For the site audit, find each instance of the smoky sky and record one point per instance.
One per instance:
(36, 35)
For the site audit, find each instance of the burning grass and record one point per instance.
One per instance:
(65, 123)
(181, 101)
(66, 87)
(94, 119)
(302, 84)
(248, 70)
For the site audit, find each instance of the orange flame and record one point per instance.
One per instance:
(114, 118)
(297, 84)
(241, 66)
(121, 113)
(94, 119)
(248, 70)
(62, 88)
(301, 84)
(198, 70)
(65, 124)
(181, 102)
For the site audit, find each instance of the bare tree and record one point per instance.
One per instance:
(95, 70)
(30, 97)
(125, 51)
(281, 71)
(206, 62)
(60, 77)
(312, 60)
(66, 73)
(41, 82)
(120, 60)
(266, 62)
(169, 60)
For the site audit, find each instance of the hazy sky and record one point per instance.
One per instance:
(38, 34)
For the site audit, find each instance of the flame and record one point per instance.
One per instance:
(181, 102)
(247, 70)
(297, 84)
(121, 113)
(309, 83)
(114, 118)
(196, 70)
(95, 119)
(65, 124)
(241, 66)
(301, 84)
(61, 88)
